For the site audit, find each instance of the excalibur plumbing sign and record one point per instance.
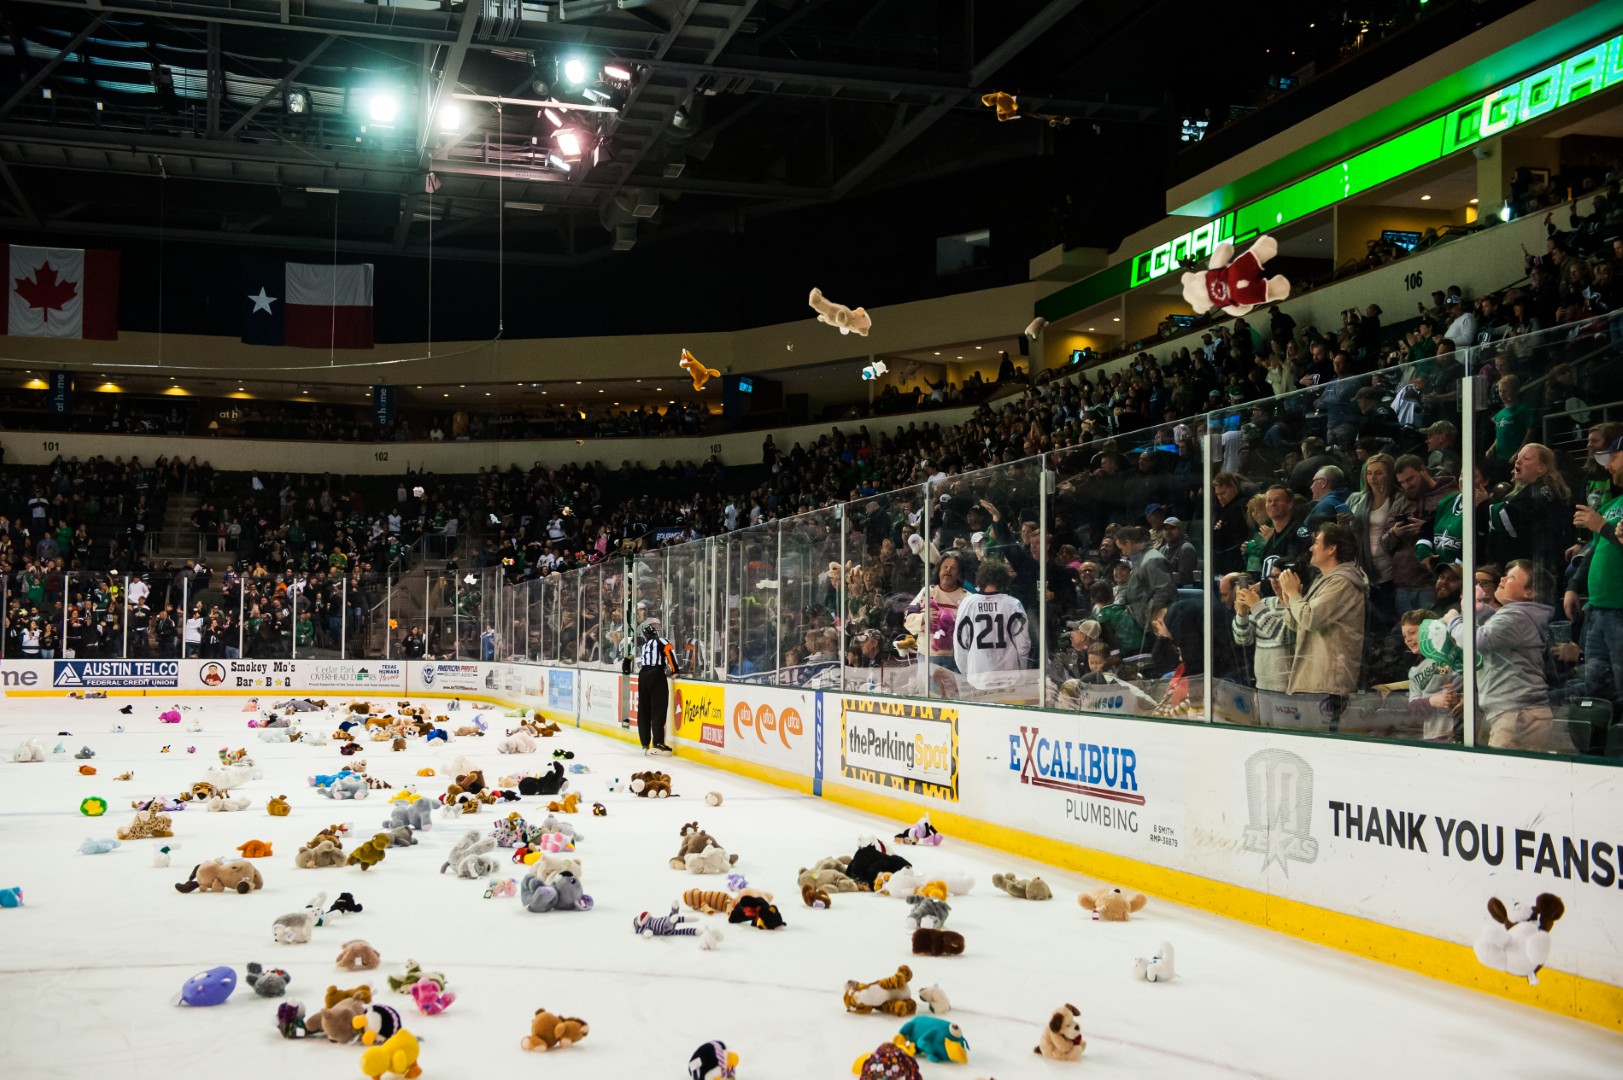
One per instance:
(903, 745)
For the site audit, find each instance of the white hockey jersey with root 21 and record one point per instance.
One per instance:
(990, 636)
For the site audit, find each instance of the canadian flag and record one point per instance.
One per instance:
(61, 293)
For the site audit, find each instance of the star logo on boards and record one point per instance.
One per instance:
(262, 302)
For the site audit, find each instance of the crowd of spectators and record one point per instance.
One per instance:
(1338, 494)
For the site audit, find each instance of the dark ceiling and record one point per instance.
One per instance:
(732, 106)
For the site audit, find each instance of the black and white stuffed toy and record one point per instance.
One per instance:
(712, 1061)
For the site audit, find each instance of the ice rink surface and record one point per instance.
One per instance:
(90, 964)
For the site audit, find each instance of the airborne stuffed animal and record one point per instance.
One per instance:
(1236, 285)
(848, 320)
(696, 370)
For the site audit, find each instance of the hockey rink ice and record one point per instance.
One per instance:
(90, 964)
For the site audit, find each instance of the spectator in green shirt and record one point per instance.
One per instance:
(1513, 424)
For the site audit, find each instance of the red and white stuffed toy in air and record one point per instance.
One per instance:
(1236, 285)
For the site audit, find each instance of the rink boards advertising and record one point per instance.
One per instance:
(907, 746)
(1384, 849)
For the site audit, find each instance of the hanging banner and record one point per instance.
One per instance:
(59, 393)
(383, 406)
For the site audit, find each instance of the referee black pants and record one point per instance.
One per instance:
(653, 696)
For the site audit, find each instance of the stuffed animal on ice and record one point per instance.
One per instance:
(549, 1031)
(891, 994)
(712, 1061)
(1236, 285)
(431, 1000)
(889, 1061)
(755, 908)
(1023, 888)
(927, 912)
(1157, 968)
(848, 320)
(413, 813)
(696, 370)
(1517, 941)
(1062, 1036)
(936, 1039)
(559, 892)
(396, 1055)
(28, 750)
(1111, 904)
(237, 875)
(296, 927)
(357, 955)
(471, 857)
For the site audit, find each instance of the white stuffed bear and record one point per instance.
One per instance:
(1236, 285)
(28, 750)
(713, 860)
(519, 742)
(1157, 968)
(1517, 941)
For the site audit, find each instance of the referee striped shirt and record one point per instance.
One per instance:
(653, 652)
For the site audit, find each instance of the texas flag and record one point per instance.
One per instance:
(60, 293)
(306, 305)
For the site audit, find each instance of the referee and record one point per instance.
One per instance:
(657, 660)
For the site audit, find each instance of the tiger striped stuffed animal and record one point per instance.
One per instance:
(672, 925)
(709, 901)
(892, 995)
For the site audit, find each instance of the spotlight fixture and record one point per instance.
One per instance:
(552, 115)
(451, 116)
(568, 141)
(383, 107)
(615, 71)
(557, 163)
(575, 71)
(297, 102)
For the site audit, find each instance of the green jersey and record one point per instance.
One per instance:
(1447, 528)
(1510, 427)
(1606, 565)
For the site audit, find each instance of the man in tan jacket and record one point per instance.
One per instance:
(1328, 620)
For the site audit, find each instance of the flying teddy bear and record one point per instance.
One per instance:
(1518, 941)
(1023, 888)
(551, 1032)
(1111, 904)
(1236, 285)
(696, 370)
(1061, 1039)
(215, 875)
(848, 320)
(357, 955)
(371, 853)
(891, 994)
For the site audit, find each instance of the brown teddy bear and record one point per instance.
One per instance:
(473, 781)
(1062, 1039)
(357, 955)
(147, 823)
(651, 785)
(694, 842)
(359, 993)
(935, 942)
(467, 732)
(255, 849)
(1023, 888)
(829, 874)
(891, 994)
(1111, 904)
(337, 1020)
(316, 856)
(216, 875)
(815, 897)
(548, 1031)
(570, 804)
(278, 807)
(371, 853)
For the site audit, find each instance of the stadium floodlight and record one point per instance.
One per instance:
(451, 116)
(568, 142)
(616, 72)
(558, 162)
(297, 102)
(383, 107)
(575, 71)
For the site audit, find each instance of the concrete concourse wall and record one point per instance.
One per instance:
(1386, 850)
